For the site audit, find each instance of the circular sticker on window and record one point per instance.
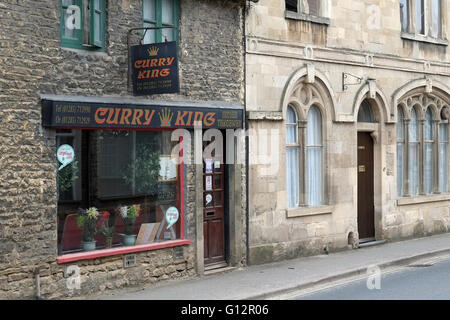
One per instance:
(172, 216)
(208, 198)
(65, 155)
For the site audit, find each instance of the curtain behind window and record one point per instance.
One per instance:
(443, 157)
(428, 156)
(314, 157)
(414, 154)
(400, 149)
(292, 159)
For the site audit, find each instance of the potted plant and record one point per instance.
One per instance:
(129, 215)
(87, 220)
(106, 230)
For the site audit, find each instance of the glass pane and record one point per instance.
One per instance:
(217, 181)
(400, 148)
(436, 18)
(149, 10)
(413, 127)
(314, 7)
(428, 168)
(291, 134)
(218, 200)
(443, 132)
(291, 5)
(314, 127)
(291, 126)
(443, 167)
(150, 34)
(420, 16)
(69, 2)
(443, 158)
(404, 14)
(429, 125)
(292, 177)
(68, 176)
(314, 176)
(400, 125)
(413, 168)
(209, 200)
(97, 5)
(167, 34)
(72, 22)
(167, 12)
(131, 195)
(97, 24)
(365, 113)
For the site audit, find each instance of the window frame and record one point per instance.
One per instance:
(159, 23)
(98, 253)
(301, 15)
(80, 42)
(303, 147)
(427, 34)
(436, 143)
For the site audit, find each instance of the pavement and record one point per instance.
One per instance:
(281, 278)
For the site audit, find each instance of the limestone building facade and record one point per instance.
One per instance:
(348, 103)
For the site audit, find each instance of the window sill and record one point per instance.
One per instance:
(421, 38)
(306, 17)
(118, 251)
(308, 211)
(422, 199)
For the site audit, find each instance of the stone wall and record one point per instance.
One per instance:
(278, 50)
(32, 62)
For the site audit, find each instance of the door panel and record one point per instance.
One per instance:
(366, 214)
(213, 211)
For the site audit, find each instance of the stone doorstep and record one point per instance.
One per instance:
(371, 243)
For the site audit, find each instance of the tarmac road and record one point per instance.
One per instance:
(423, 280)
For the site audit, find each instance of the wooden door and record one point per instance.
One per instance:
(366, 214)
(214, 212)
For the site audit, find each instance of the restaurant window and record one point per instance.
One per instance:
(126, 180)
(82, 24)
(160, 13)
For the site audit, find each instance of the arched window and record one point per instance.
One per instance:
(400, 149)
(428, 152)
(314, 180)
(443, 156)
(365, 113)
(292, 158)
(413, 145)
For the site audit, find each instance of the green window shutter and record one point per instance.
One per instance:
(97, 27)
(71, 22)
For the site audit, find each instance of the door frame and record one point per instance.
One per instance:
(234, 226)
(374, 129)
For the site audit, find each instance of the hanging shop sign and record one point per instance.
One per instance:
(155, 68)
(64, 114)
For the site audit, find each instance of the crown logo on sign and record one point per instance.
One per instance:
(165, 116)
(153, 51)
